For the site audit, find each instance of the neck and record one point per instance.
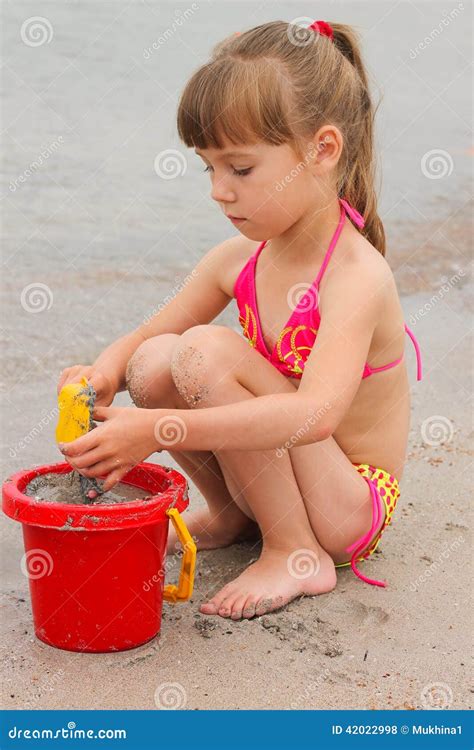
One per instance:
(308, 238)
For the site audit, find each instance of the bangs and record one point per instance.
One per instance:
(240, 101)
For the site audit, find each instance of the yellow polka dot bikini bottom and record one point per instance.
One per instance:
(385, 493)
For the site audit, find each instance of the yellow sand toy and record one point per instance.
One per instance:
(76, 405)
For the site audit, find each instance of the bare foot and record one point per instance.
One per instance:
(274, 580)
(211, 532)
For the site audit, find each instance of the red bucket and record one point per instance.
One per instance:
(96, 573)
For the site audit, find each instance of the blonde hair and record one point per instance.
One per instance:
(279, 83)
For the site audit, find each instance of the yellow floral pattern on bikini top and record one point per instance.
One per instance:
(249, 327)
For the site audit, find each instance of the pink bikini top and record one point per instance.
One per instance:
(299, 334)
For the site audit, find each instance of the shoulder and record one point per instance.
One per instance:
(229, 258)
(371, 265)
(360, 271)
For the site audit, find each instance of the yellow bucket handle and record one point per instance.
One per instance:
(183, 591)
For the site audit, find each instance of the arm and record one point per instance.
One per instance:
(331, 378)
(199, 301)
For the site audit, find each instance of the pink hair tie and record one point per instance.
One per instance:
(323, 28)
(353, 214)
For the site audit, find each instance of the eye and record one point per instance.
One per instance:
(238, 172)
(243, 172)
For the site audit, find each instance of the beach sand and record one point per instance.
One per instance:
(94, 241)
(357, 647)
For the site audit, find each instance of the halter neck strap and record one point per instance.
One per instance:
(353, 214)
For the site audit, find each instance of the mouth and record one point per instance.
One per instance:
(235, 218)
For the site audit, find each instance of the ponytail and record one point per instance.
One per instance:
(357, 183)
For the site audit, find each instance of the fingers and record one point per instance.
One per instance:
(63, 376)
(81, 445)
(99, 381)
(72, 375)
(113, 479)
(90, 459)
(101, 413)
(104, 387)
(110, 470)
(101, 468)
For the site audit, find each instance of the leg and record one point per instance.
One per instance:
(219, 365)
(151, 386)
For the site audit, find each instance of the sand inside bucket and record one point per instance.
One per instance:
(66, 488)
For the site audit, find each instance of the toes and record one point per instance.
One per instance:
(213, 606)
(238, 606)
(226, 607)
(269, 604)
(248, 610)
(263, 606)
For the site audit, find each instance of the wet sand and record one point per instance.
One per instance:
(66, 488)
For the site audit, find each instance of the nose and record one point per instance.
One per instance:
(221, 191)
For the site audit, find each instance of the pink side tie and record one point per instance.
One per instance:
(417, 350)
(361, 543)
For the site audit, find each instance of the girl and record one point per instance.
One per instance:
(297, 429)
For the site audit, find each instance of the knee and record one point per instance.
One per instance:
(148, 373)
(206, 338)
(198, 360)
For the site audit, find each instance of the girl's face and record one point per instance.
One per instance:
(266, 188)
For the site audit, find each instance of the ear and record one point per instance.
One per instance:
(327, 146)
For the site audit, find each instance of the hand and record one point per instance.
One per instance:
(124, 439)
(103, 385)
